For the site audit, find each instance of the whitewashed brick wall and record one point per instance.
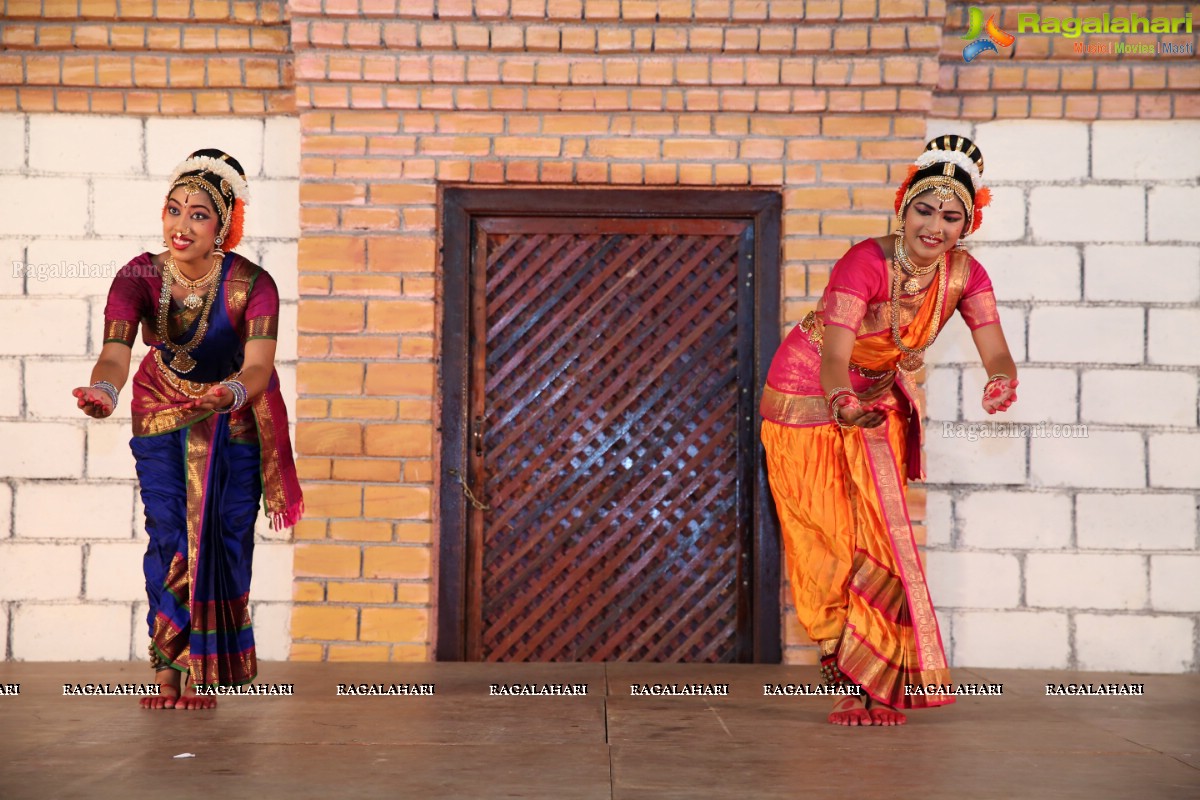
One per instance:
(88, 190)
(1077, 553)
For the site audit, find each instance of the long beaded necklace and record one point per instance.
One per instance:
(182, 360)
(913, 358)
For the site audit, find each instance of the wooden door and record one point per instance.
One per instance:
(608, 378)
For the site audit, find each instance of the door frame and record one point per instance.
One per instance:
(459, 206)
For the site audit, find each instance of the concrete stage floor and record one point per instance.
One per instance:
(463, 743)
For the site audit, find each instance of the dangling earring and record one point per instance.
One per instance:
(219, 240)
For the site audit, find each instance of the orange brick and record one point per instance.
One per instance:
(370, 285)
(362, 592)
(405, 440)
(397, 316)
(338, 193)
(329, 377)
(333, 500)
(331, 253)
(414, 409)
(329, 438)
(370, 219)
(326, 561)
(313, 346)
(306, 652)
(309, 528)
(367, 469)
(358, 408)
(418, 471)
(313, 469)
(324, 622)
(400, 379)
(402, 254)
(356, 530)
(398, 502)
(360, 346)
(396, 561)
(410, 653)
(394, 625)
(358, 653)
(308, 592)
(330, 316)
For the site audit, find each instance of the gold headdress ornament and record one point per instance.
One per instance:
(952, 166)
(221, 177)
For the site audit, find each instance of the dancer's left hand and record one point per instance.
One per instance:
(999, 395)
(215, 399)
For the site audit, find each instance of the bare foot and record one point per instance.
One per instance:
(190, 701)
(168, 691)
(886, 715)
(850, 710)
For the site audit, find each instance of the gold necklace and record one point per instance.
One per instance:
(182, 360)
(912, 285)
(913, 359)
(193, 300)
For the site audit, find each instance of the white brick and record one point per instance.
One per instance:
(1081, 580)
(272, 575)
(1061, 152)
(5, 511)
(97, 340)
(1135, 521)
(1134, 643)
(262, 526)
(111, 145)
(941, 393)
(1118, 272)
(1005, 520)
(1087, 213)
(77, 268)
(33, 206)
(128, 206)
(10, 387)
(285, 346)
(287, 387)
(1146, 149)
(170, 140)
(276, 209)
(4, 627)
(1031, 273)
(1173, 583)
(108, 453)
(272, 630)
(1074, 335)
(1175, 460)
(1172, 338)
(1102, 459)
(12, 142)
(12, 267)
(40, 571)
(43, 327)
(1138, 397)
(281, 147)
(48, 387)
(279, 259)
(939, 523)
(114, 571)
(956, 459)
(1043, 395)
(98, 632)
(955, 344)
(1173, 214)
(1004, 219)
(973, 580)
(42, 449)
(73, 511)
(1011, 639)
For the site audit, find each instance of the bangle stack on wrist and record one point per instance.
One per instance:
(238, 390)
(108, 389)
(831, 400)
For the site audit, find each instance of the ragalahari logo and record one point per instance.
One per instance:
(979, 44)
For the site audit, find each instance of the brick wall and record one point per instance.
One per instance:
(825, 100)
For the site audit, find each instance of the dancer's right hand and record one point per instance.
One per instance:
(94, 402)
(852, 412)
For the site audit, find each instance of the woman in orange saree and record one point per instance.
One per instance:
(842, 432)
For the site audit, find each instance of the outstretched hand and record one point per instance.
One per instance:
(215, 399)
(999, 395)
(94, 402)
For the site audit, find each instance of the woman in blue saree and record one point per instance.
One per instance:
(210, 427)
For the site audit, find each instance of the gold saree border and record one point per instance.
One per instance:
(196, 467)
(890, 493)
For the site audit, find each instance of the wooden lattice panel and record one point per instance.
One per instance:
(607, 378)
